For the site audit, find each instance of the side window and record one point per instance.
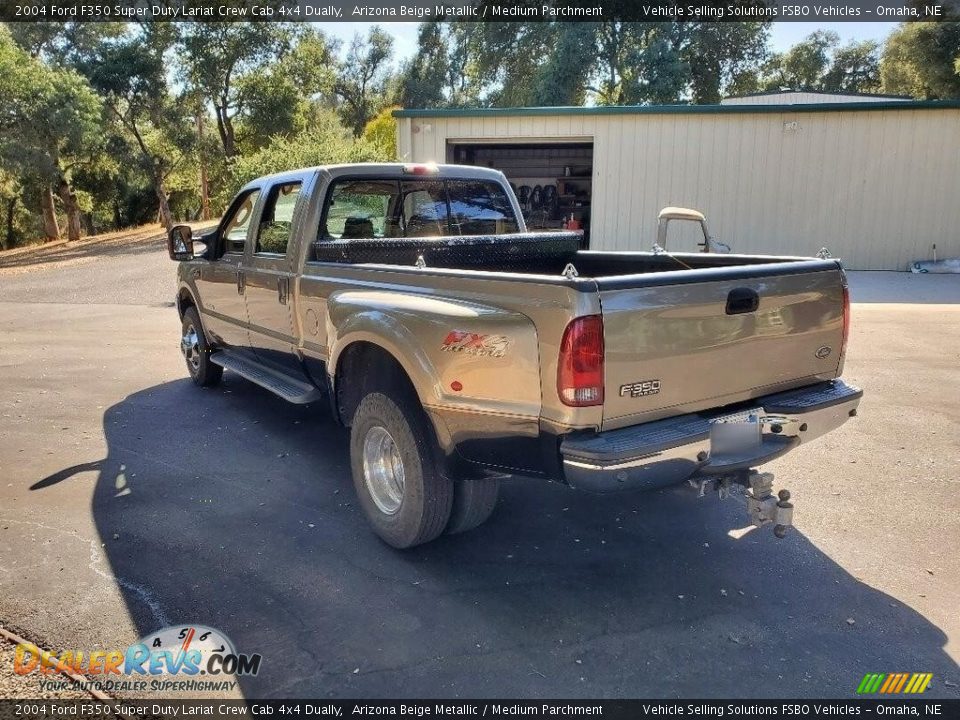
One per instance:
(425, 209)
(237, 227)
(360, 209)
(276, 220)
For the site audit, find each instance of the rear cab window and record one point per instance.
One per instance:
(370, 209)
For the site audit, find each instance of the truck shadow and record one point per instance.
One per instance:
(233, 509)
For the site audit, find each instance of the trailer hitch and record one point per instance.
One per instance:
(762, 507)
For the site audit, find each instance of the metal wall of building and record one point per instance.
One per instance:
(877, 187)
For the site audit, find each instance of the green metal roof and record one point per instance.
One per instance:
(682, 109)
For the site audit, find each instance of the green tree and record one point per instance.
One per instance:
(216, 56)
(718, 54)
(381, 133)
(803, 66)
(158, 132)
(855, 68)
(363, 77)
(282, 98)
(424, 78)
(49, 126)
(923, 60)
(819, 62)
(326, 142)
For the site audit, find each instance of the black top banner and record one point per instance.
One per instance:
(477, 10)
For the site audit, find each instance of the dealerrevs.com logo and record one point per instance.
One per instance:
(185, 651)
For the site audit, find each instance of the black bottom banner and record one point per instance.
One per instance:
(609, 709)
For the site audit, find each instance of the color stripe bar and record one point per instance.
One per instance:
(923, 684)
(875, 685)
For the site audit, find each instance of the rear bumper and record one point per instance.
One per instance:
(670, 451)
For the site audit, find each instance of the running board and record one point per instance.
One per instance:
(290, 389)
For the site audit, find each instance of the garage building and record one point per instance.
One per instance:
(876, 182)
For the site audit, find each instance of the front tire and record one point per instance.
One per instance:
(404, 496)
(196, 351)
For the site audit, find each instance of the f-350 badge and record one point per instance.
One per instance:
(640, 388)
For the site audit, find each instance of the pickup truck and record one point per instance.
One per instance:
(460, 350)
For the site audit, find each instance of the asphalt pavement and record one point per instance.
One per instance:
(131, 500)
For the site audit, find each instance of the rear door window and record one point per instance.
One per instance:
(237, 227)
(276, 220)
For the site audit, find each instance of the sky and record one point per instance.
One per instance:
(782, 35)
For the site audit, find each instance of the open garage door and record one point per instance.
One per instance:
(553, 180)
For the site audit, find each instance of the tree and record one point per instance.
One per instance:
(216, 55)
(49, 125)
(803, 66)
(362, 78)
(855, 68)
(131, 76)
(923, 60)
(718, 53)
(281, 98)
(381, 133)
(327, 141)
(424, 78)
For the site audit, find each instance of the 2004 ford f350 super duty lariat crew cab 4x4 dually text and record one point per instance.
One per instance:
(459, 348)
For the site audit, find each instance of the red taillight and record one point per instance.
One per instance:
(846, 318)
(580, 366)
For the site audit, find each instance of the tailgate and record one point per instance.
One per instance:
(704, 343)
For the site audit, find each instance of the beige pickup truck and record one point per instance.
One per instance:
(460, 349)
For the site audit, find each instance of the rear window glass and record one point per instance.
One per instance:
(370, 209)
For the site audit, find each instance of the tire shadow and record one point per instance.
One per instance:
(237, 511)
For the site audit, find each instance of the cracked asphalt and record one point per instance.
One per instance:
(129, 500)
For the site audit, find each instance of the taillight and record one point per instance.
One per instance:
(846, 318)
(580, 366)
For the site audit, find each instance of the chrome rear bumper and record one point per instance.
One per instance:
(670, 451)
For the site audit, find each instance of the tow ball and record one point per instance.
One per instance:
(762, 507)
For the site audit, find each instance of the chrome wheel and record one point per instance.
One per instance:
(190, 347)
(383, 470)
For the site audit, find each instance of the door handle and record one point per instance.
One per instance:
(742, 300)
(241, 282)
(283, 289)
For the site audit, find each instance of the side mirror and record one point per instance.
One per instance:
(180, 243)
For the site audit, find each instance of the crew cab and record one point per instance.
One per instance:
(461, 350)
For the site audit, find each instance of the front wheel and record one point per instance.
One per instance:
(405, 498)
(196, 351)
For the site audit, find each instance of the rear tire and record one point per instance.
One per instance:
(473, 504)
(196, 351)
(404, 496)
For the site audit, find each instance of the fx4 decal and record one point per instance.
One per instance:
(461, 341)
